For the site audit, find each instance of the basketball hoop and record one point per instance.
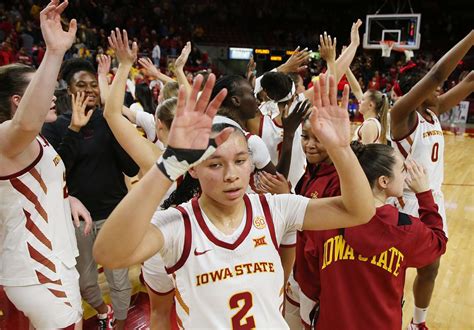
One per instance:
(387, 46)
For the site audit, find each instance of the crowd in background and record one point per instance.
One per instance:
(161, 29)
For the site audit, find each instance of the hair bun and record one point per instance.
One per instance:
(358, 148)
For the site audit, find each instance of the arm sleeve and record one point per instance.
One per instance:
(171, 225)
(146, 121)
(67, 146)
(430, 242)
(259, 151)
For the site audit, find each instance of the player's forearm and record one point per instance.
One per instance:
(355, 190)
(103, 87)
(344, 60)
(126, 227)
(284, 163)
(443, 68)
(125, 133)
(183, 81)
(354, 84)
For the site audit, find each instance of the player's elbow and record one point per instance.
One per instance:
(103, 256)
(365, 213)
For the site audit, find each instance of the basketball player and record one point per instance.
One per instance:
(223, 247)
(319, 180)
(159, 286)
(363, 268)
(417, 134)
(37, 241)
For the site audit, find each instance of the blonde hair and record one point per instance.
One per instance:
(170, 89)
(381, 110)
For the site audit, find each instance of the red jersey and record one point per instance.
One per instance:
(318, 181)
(362, 269)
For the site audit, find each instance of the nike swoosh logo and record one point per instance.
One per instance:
(198, 253)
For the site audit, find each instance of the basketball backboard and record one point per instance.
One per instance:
(404, 29)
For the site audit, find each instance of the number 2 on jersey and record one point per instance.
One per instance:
(434, 152)
(243, 301)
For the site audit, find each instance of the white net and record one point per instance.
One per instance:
(387, 47)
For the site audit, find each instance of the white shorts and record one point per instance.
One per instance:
(411, 206)
(50, 305)
(156, 277)
(292, 305)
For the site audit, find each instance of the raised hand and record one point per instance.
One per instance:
(150, 69)
(104, 65)
(251, 73)
(291, 121)
(191, 127)
(329, 121)
(327, 47)
(79, 117)
(183, 57)
(274, 184)
(417, 179)
(55, 38)
(355, 39)
(296, 62)
(119, 42)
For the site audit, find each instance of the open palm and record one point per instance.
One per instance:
(191, 127)
(56, 39)
(329, 121)
(119, 43)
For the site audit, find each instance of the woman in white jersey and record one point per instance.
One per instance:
(37, 241)
(374, 106)
(417, 133)
(222, 248)
(159, 285)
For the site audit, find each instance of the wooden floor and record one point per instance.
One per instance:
(452, 305)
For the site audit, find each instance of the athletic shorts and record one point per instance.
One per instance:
(410, 206)
(292, 305)
(156, 277)
(50, 305)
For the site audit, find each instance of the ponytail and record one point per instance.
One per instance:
(381, 111)
(382, 115)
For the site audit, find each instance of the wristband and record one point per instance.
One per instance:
(175, 161)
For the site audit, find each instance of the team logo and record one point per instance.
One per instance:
(259, 222)
(314, 195)
(259, 241)
(56, 160)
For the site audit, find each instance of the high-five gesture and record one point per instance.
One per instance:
(119, 42)
(355, 39)
(79, 116)
(55, 37)
(183, 57)
(296, 62)
(191, 127)
(327, 48)
(104, 64)
(329, 121)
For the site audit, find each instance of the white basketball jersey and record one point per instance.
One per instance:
(358, 135)
(220, 285)
(272, 134)
(36, 229)
(426, 146)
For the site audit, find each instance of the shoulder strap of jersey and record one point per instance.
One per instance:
(269, 220)
(187, 242)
